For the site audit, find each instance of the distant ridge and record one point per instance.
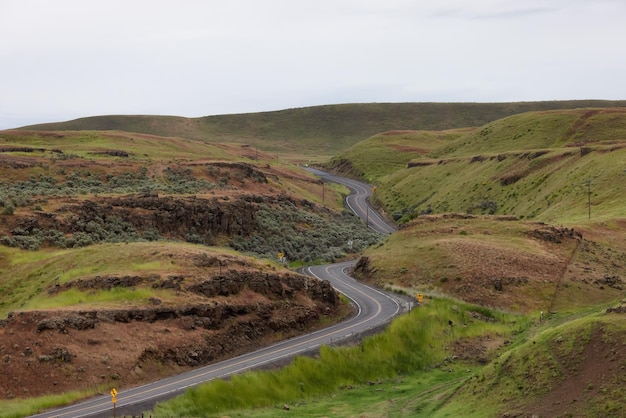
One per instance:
(325, 129)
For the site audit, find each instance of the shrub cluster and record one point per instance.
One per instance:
(181, 181)
(177, 181)
(111, 229)
(303, 235)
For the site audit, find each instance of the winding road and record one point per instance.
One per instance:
(373, 309)
(357, 201)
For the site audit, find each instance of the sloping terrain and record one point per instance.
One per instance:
(118, 262)
(500, 262)
(550, 172)
(319, 130)
(524, 214)
(576, 370)
(124, 324)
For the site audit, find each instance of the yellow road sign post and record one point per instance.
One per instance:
(114, 399)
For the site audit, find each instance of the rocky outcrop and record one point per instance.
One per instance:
(554, 234)
(171, 216)
(230, 283)
(63, 323)
(363, 267)
(209, 316)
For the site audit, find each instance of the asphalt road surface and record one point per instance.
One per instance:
(373, 309)
(357, 201)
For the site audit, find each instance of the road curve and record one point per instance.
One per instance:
(357, 201)
(373, 308)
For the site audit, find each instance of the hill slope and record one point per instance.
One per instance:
(536, 165)
(118, 260)
(514, 174)
(498, 216)
(319, 130)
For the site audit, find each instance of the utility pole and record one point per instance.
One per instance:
(589, 197)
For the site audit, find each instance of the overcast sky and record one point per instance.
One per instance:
(65, 59)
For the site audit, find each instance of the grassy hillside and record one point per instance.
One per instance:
(422, 367)
(505, 202)
(27, 276)
(391, 151)
(541, 130)
(568, 370)
(371, 379)
(320, 130)
(497, 261)
(494, 232)
(494, 216)
(118, 261)
(538, 165)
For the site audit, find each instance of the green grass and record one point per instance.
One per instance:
(388, 152)
(416, 395)
(365, 381)
(550, 188)
(540, 130)
(457, 172)
(529, 165)
(75, 297)
(25, 275)
(320, 130)
(412, 344)
(18, 408)
(522, 376)
(88, 144)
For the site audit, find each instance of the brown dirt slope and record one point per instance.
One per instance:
(501, 262)
(221, 307)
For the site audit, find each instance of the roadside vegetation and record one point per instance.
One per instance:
(511, 224)
(420, 343)
(498, 216)
(31, 406)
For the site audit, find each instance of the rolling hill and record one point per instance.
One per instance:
(319, 130)
(536, 165)
(160, 250)
(511, 217)
(523, 214)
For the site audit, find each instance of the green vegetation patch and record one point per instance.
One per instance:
(550, 367)
(319, 130)
(18, 408)
(391, 151)
(115, 296)
(412, 345)
(26, 277)
(550, 187)
(107, 145)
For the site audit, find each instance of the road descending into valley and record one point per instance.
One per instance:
(357, 201)
(373, 309)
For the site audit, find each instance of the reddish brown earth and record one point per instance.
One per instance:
(221, 306)
(597, 370)
(44, 352)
